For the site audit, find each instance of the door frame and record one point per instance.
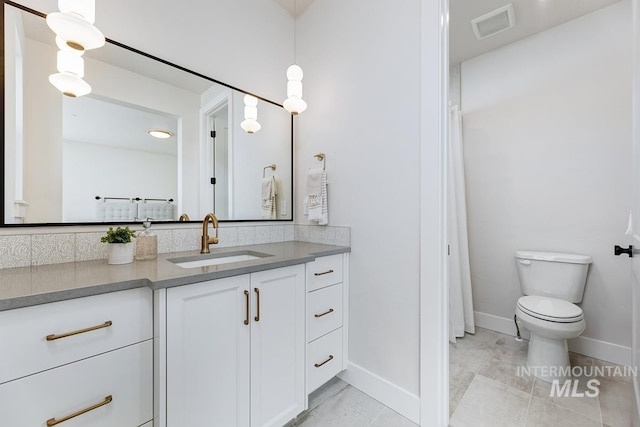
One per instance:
(434, 300)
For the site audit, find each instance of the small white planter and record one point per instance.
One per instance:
(120, 253)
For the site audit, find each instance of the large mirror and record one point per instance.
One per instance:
(91, 159)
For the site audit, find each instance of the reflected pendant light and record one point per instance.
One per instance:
(250, 123)
(68, 80)
(294, 102)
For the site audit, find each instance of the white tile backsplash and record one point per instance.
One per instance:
(23, 250)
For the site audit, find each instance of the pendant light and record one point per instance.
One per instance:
(75, 33)
(294, 102)
(250, 123)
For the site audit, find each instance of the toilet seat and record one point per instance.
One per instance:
(550, 309)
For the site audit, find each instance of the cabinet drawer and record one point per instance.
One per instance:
(324, 359)
(124, 374)
(324, 271)
(27, 331)
(324, 311)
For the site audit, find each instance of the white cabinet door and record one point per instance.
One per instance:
(208, 353)
(277, 345)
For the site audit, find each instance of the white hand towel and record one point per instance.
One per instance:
(269, 194)
(317, 196)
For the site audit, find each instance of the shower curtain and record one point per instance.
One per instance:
(460, 298)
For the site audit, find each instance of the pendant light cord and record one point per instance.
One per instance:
(295, 16)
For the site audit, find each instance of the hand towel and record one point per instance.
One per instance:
(317, 196)
(269, 194)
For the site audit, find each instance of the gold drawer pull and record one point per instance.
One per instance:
(53, 421)
(324, 314)
(257, 318)
(53, 337)
(317, 365)
(323, 273)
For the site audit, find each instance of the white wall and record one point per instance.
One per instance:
(547, 140)
(248, 43)
(42, 136)
(361, 61)
(149, 175)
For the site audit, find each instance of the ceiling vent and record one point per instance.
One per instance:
(493, 22)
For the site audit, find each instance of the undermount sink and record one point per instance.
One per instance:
(217, 259)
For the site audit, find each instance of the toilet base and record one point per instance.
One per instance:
(548, 358)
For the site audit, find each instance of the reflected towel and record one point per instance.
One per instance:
(317, 196)
(269, 194)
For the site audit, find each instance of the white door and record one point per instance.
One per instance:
(277, 345)
(208, 353)
(635, 239)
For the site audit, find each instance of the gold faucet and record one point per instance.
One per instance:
(184, 217)
(206, 240)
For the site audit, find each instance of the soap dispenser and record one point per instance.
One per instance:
(146, 243)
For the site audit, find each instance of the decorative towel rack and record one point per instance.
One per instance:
(272, 167)
(133, 199)
(321, 157)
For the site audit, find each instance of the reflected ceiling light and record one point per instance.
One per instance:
(74, 24)
(160, 133)
(250, 123)
(294, 102)
(62, 45)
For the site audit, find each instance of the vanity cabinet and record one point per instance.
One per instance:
(235, 350)
(327, 302)
(86, 361)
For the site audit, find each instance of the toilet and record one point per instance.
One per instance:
(552, 283)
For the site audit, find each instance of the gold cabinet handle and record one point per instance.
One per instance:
(53, 421)
(53, 337)
(323, 273)
(257, 291)
(324, 314)
(246, 317)
(317, 365)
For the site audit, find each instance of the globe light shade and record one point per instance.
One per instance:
(250, 112)
(294, 89)
(294, 72)
(69, 62)
(250, 126)
(295, 105)
(70, 84)
(250, 100)
(62, 45)
(84, 8)
(75, 31)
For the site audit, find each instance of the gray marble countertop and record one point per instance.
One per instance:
(27, 286)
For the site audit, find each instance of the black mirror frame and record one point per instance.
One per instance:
(129, 48)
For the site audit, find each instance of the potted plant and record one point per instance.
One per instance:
(121, 247)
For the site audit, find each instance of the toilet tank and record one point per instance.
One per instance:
(553, 274)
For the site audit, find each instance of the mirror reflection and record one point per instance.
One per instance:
(92, 158)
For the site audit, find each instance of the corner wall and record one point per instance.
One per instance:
(361, 61)
(547, 140)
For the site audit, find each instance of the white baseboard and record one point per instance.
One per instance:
(602, 350)
(387, 393)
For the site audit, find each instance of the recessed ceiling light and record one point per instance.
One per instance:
(160, 133)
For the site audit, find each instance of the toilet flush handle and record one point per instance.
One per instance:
(524, 261)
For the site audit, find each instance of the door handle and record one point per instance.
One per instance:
(257, 291)
(617, 250)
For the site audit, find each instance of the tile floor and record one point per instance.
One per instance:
(337, 404)
(485, 389)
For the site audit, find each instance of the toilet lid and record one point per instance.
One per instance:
(551, 309)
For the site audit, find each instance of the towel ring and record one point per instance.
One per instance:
(273, 167)
(321, 158)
